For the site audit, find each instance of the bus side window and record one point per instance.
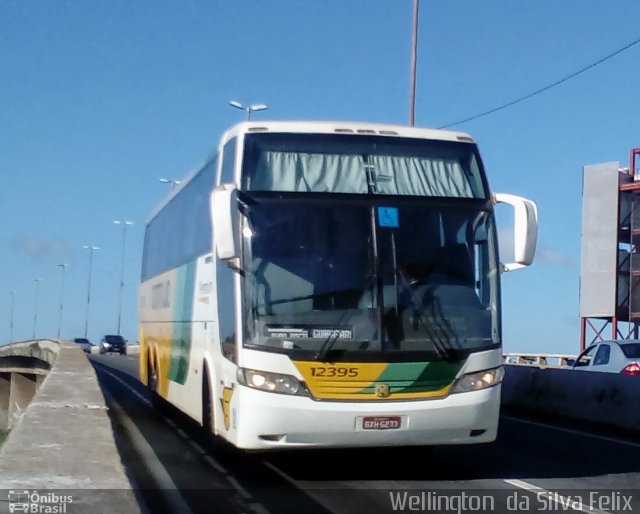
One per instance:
(225, 276)
(228, 163)
(226, 310)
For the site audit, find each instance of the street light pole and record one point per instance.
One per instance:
(173, 183)
(35, 307)
(414, 60)
(124, 239)
(91, 250)
(248, 108)
(63, 267)
(13, 297)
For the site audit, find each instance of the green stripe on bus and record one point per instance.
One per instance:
(416, 377)
(182, 314)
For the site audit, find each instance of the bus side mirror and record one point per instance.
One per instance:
(525, 229)
(224, 218)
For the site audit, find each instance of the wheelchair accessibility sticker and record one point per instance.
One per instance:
(388, 217)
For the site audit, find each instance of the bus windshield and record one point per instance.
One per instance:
(327, 275)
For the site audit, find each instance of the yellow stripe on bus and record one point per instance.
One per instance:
(359, 381)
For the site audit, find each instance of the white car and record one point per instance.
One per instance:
(84, 343)
(616, 356)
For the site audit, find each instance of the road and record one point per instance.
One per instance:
(533, 466)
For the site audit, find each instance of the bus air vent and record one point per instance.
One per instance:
(258, 129)
(344, 131)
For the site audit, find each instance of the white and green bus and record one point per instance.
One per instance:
(323, 284)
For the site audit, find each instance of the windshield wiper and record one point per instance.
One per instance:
(437, 320)
(324, 350)
(439, 336)
(443, 350)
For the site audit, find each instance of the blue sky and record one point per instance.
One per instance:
(100, 99)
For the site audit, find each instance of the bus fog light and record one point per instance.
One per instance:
(479, 380)
(288, 385)
(273, 382)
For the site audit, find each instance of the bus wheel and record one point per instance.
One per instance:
(208, 419)
(152, 378)
(152, 386)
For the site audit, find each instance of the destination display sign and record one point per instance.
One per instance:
(309, 332)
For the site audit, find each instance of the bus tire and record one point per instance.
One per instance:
(152, 386)
(152, 377)
(208, 414)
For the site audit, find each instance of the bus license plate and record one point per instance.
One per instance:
(381, 422)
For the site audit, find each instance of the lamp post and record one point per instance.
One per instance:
(248, 108)
(124, 239)
(35, 307)
(13, 297)
(91, 250)
(173, 183)
(63, 267)
(414, 59)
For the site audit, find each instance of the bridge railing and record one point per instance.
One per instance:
(23, 367)
(64, 439)
(542, 360)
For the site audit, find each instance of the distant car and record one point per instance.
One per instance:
(84, 343)
(113, 343)
(615, 356)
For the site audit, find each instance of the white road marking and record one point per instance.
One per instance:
(214, 464)
(259, 508)
(243, 492)
(573, 431)
(282, 474)
(133, 391)
(563, 502)
(167, 486)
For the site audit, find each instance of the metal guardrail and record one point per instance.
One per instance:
(545, 360)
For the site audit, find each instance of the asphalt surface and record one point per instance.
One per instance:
(534, 466)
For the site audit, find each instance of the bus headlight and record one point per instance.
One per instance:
(272, 382)
(478, 380)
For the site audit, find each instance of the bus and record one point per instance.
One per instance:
(331, 284)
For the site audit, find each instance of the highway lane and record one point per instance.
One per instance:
(528, 455)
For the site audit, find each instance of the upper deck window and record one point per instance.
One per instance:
(327, 163)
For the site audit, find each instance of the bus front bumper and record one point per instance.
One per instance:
(270, 421)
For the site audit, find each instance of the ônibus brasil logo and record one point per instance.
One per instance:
(34, 502)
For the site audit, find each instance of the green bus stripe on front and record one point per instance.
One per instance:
(415, 377)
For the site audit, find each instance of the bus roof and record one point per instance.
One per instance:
(344, 127)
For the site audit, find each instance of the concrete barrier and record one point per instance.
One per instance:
(132, 349)
(23, 367)
(64, 440)
(606, 398)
